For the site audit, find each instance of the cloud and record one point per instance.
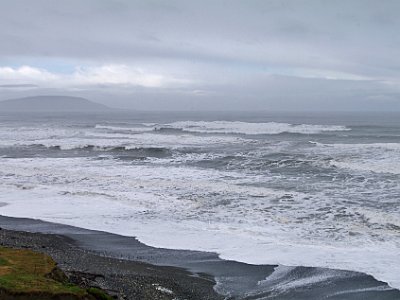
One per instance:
(105, 75)
(24, 74)
(124, 75)
(231, 51)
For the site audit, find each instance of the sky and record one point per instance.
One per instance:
(204, 55)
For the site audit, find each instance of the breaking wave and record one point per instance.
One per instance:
(228, 127)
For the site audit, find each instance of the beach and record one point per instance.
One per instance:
(128, 269)
(121, 278)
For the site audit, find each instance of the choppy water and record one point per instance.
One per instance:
(295, 189)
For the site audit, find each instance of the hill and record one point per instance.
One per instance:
(53, 104)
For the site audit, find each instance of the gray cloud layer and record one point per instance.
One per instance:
(266, 54)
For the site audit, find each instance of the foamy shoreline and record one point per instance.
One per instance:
(228, 274)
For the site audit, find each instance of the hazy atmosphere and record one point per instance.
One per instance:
(204, 55)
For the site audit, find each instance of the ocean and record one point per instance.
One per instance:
(310, 189)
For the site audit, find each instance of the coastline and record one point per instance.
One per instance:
(188, 274)
(122, 279)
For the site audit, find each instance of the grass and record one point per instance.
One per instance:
(28, 272)
(98, 294)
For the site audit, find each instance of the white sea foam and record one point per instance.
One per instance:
(252, 128)
(372, 157)
(140, 140)
(198, 209)
(129, 129)
(279, 273)
(281, 281)
(233, 127)
(387, 166)
(264, 201)
(362, 290)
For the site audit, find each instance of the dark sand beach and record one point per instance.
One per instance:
(123, 279)
(129, 269)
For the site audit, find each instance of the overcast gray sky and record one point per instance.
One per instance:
(248, 54)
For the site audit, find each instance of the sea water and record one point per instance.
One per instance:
(294, 189)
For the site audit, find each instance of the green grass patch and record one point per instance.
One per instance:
(98, 294)
(28, 272)
(3, 262)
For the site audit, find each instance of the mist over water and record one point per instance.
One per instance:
(294, 189)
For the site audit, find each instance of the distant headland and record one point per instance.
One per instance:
(52, 104)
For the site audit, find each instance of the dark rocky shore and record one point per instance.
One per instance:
(122, 279)
(129, 269)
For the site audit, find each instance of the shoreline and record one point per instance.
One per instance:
(213, 278)
(122, 279)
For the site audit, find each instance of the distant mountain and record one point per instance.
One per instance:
(52, 104)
